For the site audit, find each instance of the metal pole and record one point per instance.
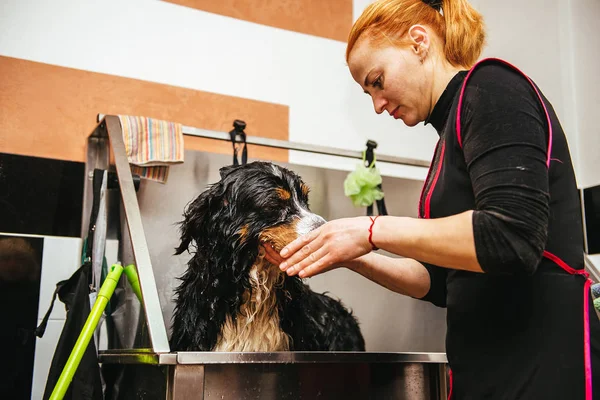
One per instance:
(309, 148)
(154, 316)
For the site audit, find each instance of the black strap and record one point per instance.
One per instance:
(370, 161)
(238, 130)
(96, 188)
(39, 331)
(435, 4)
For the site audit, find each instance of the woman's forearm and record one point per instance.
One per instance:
(401, 275)
(445, 242)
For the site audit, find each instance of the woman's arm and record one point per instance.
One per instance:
(446, 242)
(400, 275)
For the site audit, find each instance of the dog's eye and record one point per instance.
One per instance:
(305, 190)
(283, 194)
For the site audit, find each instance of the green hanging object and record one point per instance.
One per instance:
(361, 185)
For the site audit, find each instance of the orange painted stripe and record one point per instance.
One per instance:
(325, 18)
(49, 111)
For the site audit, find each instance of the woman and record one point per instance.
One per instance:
(499, 238)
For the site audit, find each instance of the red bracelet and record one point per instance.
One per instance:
(371, 233)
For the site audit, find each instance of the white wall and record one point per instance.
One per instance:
(557, 43)
(554, 41)
(209, 52)
(585, 83)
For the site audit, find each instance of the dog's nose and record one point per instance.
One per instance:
(318, 221)
(308, 222)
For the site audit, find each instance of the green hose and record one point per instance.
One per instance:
(132, 277)
(105, 293)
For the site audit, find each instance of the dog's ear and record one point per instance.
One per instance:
(224, 171)
(197, 215)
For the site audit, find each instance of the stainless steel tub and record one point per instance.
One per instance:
(282, 376)
(139, 363)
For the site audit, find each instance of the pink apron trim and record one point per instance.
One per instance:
(421, 215)
(564, 265)
(450, 376)
(462, 92)
(586, 320)
(586, 339)
(548, 255)
(427, 213)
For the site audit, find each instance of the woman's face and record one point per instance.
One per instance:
(395, 79)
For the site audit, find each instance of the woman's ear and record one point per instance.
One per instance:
(419, 40)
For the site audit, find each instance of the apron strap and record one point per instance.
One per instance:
(586, 318)
(462, 92)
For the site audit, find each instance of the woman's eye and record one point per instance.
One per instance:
(377, 83)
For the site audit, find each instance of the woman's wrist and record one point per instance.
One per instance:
(388, 232)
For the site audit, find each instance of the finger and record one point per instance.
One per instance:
(271, 255)
(299, 242)
(322, 265)
(311, 259)
(271, 259)
(304, 252)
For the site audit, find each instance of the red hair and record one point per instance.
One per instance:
(461, 27)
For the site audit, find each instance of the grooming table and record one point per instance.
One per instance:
(150, 370)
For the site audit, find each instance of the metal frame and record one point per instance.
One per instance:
(109, 135)
(186, 371)
(296, 146)
(284, 357)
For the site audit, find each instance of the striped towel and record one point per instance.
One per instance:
(151, 146)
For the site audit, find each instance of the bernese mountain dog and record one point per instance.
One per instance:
(230, 297)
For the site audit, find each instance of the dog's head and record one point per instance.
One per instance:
(251, 204)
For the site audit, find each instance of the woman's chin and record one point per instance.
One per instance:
(409, 120)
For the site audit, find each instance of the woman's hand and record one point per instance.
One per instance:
(334, 243)
(272, 255)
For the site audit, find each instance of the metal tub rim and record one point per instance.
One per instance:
(287, 357)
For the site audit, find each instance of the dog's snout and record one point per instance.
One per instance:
(308, 221)
(318, 221)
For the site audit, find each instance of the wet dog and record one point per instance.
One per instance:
(231, 298)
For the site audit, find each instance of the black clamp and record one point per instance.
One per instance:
(238, 130)
(370, 162)
(370, 154)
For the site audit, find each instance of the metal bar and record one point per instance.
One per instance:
(136, 357)
(583, 223)
(443, 381)
(187, 383)
(97, 157)
(307, 357)
(309, 148)
(591, 268)
(154, 318)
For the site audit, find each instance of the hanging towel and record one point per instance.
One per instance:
(152, 145)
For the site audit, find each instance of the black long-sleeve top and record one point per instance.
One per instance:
(509, 328)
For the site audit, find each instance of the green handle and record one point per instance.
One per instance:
(106, 291)
(132, 277)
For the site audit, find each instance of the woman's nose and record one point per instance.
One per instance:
(379, 103)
